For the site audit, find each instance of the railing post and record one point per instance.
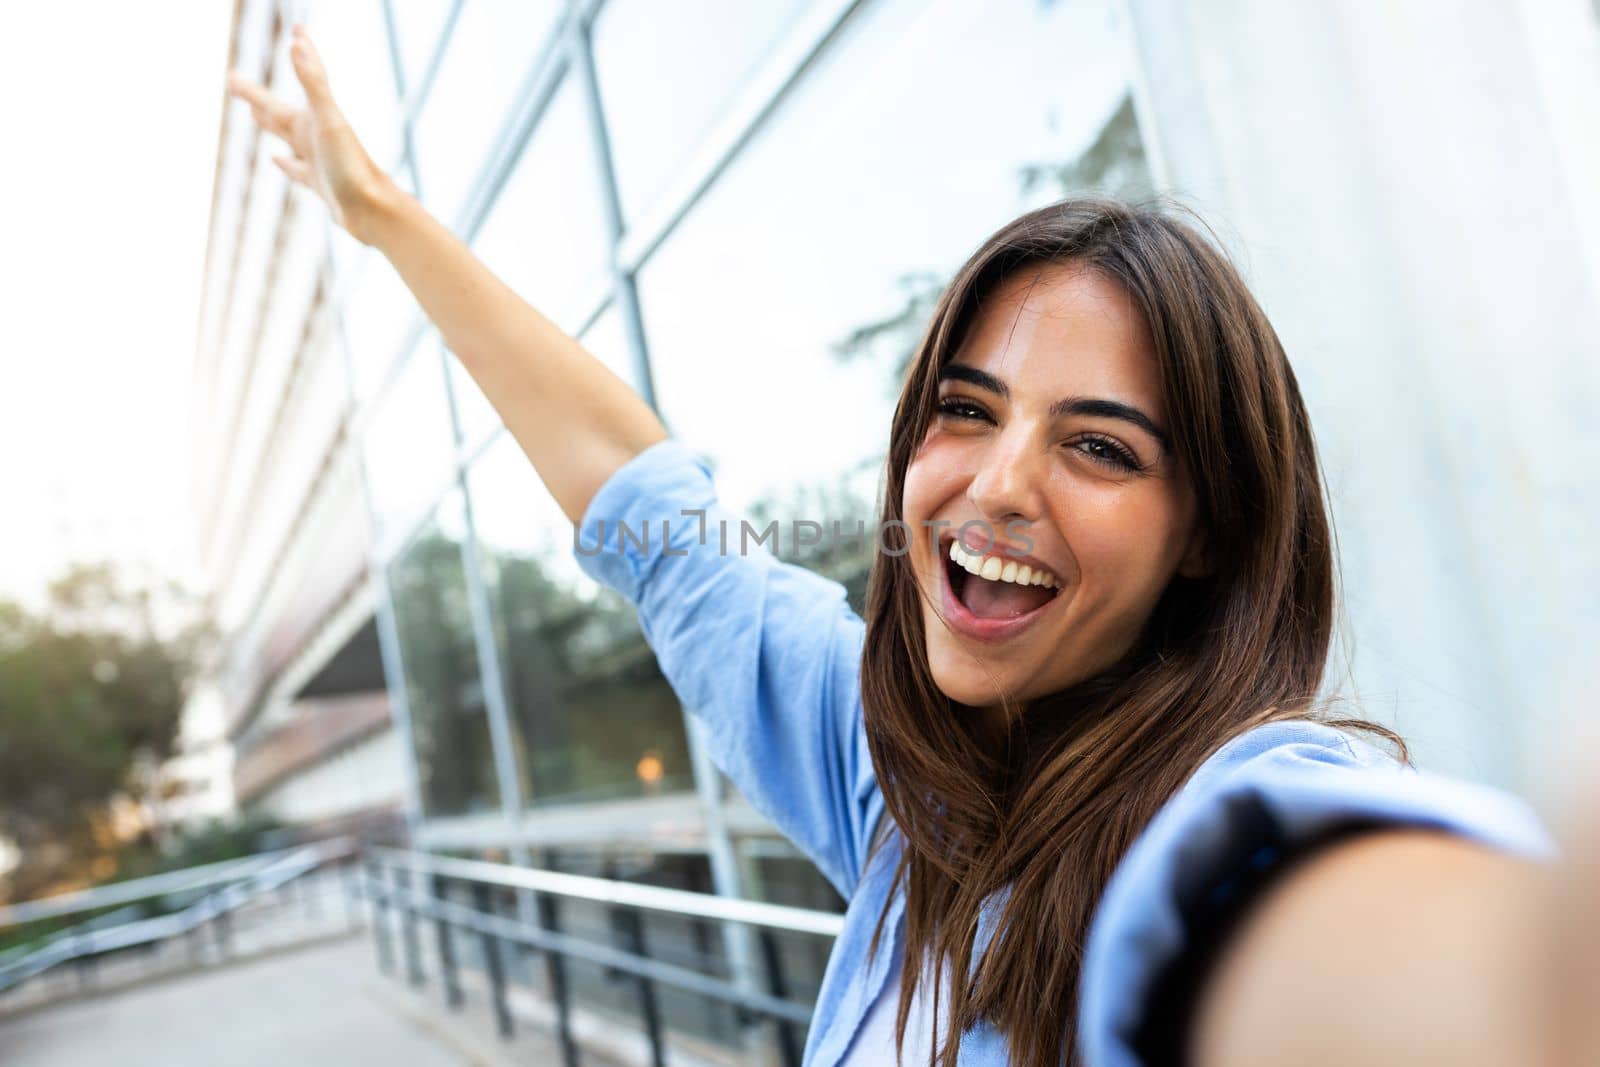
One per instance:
(347, 881)
(310, 886)
(222, 930)
(631, 929)
(788, 1041)
(378, 893)
(447, 953)
(408, 927)
(492, 961)
(556, 968)
(84, 965)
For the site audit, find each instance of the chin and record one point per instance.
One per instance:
(973, 695)
(968, 684)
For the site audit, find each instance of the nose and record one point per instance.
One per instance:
(1009, 483)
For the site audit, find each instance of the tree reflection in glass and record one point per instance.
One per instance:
(444, 689)
(593, 716)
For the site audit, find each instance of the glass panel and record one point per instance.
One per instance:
(668, 71)
(418, 25)
(910, 153)
(236, 172)
(545, 237)
(593, 716)
(489, 54)
(546, 234)
(409, 445)
(256, 250)
(428, 583)
(283, 328)
(377, 317)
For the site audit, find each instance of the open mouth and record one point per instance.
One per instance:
(992, 596)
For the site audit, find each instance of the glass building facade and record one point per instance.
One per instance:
(629, 167)
(642, 194)
(747, 210)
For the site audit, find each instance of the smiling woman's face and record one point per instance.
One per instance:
(1049, 435)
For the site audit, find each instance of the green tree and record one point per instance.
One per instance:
(92, 691)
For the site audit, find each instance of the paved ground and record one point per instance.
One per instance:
(323, 1004)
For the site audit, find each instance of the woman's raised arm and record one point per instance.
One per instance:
(575, 420)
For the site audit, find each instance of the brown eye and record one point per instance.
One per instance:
(959, 408)
(1105, 451)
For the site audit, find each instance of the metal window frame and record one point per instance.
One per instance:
(568, 52)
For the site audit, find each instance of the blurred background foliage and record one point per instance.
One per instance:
(92, 691)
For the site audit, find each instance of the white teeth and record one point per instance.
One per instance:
(970, 563)
(995, 569)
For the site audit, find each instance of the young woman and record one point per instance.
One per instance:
(1067, 771)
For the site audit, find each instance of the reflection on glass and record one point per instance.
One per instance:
(592, 714)
(778, 330)
(489, 54)
(668, 71)
(409, 444)
(444, 688)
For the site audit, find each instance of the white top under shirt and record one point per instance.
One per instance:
(874, 1042)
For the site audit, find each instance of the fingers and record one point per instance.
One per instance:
(298, 170)
(274, 116)
(308, 68)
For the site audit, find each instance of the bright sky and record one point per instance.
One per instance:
(111, 114)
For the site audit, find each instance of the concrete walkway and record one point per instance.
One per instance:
(323, 1004)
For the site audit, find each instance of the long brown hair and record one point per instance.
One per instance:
(1049, 808)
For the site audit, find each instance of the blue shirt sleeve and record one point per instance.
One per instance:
(1271, 792)
(765, 654)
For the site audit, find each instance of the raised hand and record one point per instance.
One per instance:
(574, 419)
(326, 158)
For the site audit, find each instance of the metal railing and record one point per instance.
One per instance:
(419, 887)
(187, 902)
(459, 898)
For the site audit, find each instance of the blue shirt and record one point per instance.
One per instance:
(767, 655)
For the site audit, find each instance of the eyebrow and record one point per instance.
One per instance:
(1090, 406)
